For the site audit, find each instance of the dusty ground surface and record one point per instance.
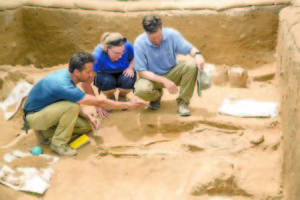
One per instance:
(204, 156)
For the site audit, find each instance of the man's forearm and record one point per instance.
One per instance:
(110, 104)
(193, 52)
(102, 102)
(152, 77)
(83, 113)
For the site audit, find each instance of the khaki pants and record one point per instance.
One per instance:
(63, 116)
(183, 74)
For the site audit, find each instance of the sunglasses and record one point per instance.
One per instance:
(117, 42)
(117, 53)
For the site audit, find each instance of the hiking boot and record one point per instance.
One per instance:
(155, 105)
(183, 109)
(64, 150)
(41, 139)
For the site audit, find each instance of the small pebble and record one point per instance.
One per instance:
(36, 150)
(257, 139)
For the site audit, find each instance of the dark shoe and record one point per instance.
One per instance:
(41, 139)
(64, 150)
(183, 109)
(155, 105)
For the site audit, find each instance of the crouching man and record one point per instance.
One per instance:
(53, 106)
(155, 61)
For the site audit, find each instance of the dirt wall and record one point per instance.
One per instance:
(12, 42)
(288, 71)
(230, 32)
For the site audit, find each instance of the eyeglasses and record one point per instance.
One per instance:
(117, 53)
(117, 42)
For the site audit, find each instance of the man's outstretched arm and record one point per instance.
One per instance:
(109, 104)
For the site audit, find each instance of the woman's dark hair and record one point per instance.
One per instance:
(78, 60)
(151, 23)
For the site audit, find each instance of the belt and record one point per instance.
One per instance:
(170, 70)
(28, 112)
(25, 124)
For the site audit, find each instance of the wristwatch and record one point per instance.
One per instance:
(197, 53)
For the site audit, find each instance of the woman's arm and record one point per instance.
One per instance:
(129, 71)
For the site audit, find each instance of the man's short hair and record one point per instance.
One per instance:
(78, 60)
(151, 23)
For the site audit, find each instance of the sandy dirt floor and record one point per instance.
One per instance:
(157, 155)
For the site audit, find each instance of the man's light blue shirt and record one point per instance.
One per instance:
(55, 87)
(159, 59)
